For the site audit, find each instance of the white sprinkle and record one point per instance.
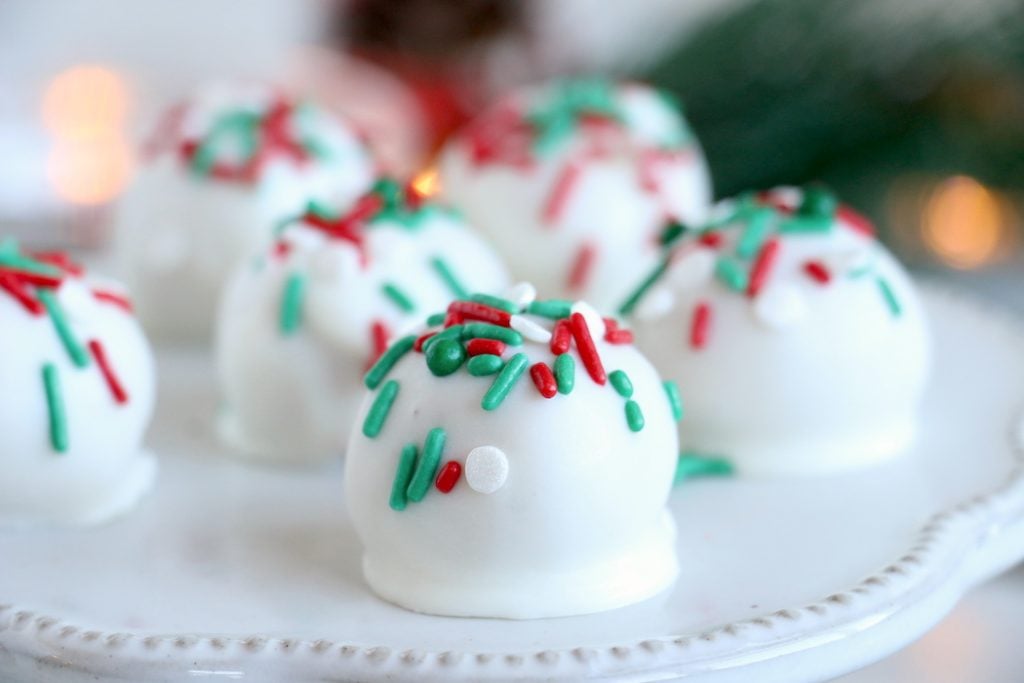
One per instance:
(593, 318)
(529, 329)
(780, 305)
(486, 469)
(692, 269)
(522, 294)
(655, 304)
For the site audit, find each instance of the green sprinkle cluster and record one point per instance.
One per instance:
(416, 471)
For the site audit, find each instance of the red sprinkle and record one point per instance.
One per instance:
(700, 325)
(14, 287)
(33, 279)
(855, 221)
(476, 311)
(818, 272)
(118, 300)
(448, 477)
(560, 337)
(773, 200)
(543, 379)
(452, 318)
(282, 249)
(480, 347)
(420, 340)
(560, 193)
(116, 388)
(618, 337)
(764, 262)
(60, 260)
(379, 335)
(585, 345)
(647, 170)
(582, 266)
(711, 239)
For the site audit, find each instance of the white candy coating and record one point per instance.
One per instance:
(614, 207)
(560, 508)
(806, 377)
(291, 398)
(180, 232)
(103, 472)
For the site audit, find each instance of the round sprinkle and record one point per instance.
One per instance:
(621, 383)
(448, 477)
(780, 306)
(378, 413)
(406, 464)
(565, 373)
(530, 330)
(445, 357)
(484, 364)
(634, 416)
(486, 469)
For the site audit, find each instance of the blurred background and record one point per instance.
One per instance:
(913, 110)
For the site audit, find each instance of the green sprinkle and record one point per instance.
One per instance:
(504, 382)
(453, 332)
(387, 361)
(402, 474)
(890, 297)
(75, 351)
(28, 265)
(731, 273)
(55, 405)
(444, 271)
(426, 468)
(565, 373)
(445, 357)
(675, 402)
(291, 303)
(389, 190)
(755, 232)
(551, 308)
(495, 302)
(621, 382)
(634, 416)
(400, 298)
(692, 465)
(806, 224)
(648, 282)
(818, 202)
(671, 233)
(489, 331)
(241, 125)
(484, 364)
(436, 319)
(374, 421)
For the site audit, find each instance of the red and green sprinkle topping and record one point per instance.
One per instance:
(240, 141)
(481, 334)
(32, 281)
(762, 223)
(516, 135)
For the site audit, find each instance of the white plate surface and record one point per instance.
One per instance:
(229, 572)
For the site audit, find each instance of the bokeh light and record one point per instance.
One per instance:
(964, 223)
(427, 182)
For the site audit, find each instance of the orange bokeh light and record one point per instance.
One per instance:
(964, 223)
(90, 171)
(427, 182)
(85, 102)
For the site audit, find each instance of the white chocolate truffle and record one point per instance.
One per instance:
(78, 391)
(573, 181)
(224, 170)
(802, 342)
(300, 325)
(496, 475)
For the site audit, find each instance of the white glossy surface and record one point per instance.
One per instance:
(229, 570)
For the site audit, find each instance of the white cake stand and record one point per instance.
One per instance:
(236, 573)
